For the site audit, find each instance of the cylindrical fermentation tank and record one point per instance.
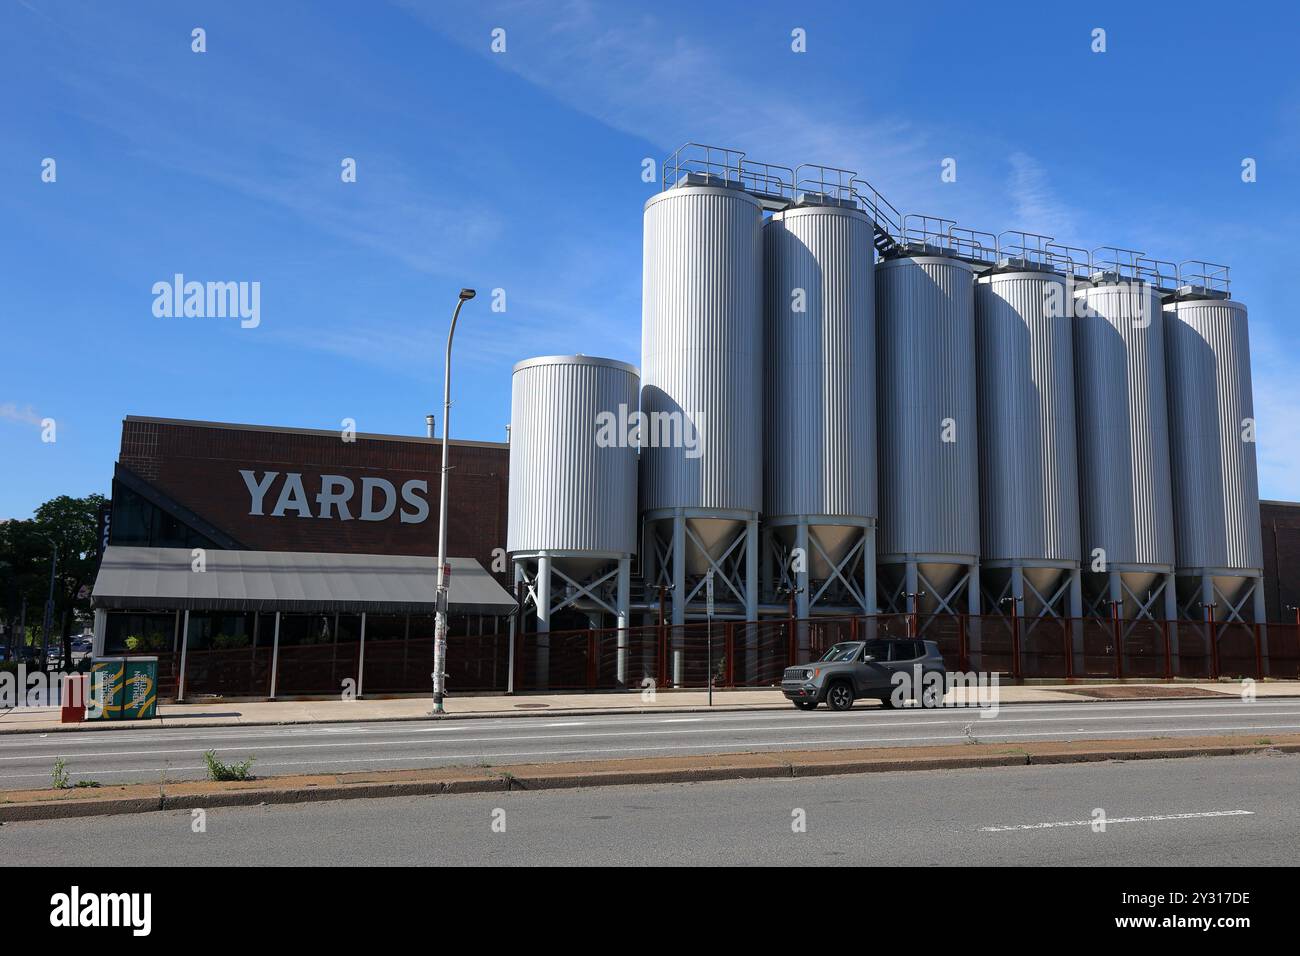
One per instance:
(573, 459)
(1029, 482)
(1212, 444)
(926, 409)
(819, 378)
(1126, 512)
(701, 347)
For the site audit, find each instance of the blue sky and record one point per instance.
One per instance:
(522, 171)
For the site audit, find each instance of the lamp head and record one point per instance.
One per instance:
(467, 294)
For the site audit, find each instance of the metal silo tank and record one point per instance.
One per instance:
(1212, 453)
(701, 395)
(1029, 483)
(928, 539)
(573, 480)
(819, 382)
(1126, 512)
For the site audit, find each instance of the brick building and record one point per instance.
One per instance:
(1281, 540)
(318, 558)
(250, 487)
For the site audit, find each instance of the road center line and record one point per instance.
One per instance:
(1152, 818)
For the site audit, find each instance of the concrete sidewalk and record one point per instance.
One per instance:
(254, 713)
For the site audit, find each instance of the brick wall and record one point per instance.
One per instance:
(1281, 521)
(198, 465)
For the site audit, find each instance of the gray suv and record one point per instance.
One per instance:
(857, 669)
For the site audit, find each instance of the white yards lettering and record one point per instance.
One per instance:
(337, 497)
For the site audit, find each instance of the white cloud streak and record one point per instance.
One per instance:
(10, 412)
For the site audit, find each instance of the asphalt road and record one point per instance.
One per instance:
(131, 756)
(1229, 811)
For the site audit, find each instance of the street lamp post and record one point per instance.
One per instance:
(440, 625)
(49, 605)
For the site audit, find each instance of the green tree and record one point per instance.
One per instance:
(66, 527)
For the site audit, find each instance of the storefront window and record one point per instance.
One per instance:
(135, 632)
(216, 631)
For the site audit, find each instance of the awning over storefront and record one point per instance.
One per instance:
(166, 579)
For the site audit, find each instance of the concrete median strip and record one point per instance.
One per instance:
(49, 804)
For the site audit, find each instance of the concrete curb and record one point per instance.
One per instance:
(190, 724)
(140, 798)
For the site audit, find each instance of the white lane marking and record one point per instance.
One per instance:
(571, 723)
(1008, 714)
(798, 726)
(773, 745)
(1109, 820)
(681, 720)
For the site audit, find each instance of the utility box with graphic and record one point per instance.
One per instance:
(127, 687)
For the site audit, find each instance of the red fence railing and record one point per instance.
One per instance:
(744, 654)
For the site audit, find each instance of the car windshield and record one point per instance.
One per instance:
(842, 652)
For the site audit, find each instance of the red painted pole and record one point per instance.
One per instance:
(729, 641)
(1259, 655)
(1119, 642)
(1214, 643)
(1169, 662)
(1015, 640)
(1066, 627)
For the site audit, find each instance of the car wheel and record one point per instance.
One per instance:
(806, 704)
(840, 696)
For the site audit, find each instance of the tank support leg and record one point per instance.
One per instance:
(869, 572)
(801, 587)
(624, 613)
(543, 673)
(1171, 616)
(1076, 619)
(1261, 617)
(679, 597)
(515, 622)
(752, 545)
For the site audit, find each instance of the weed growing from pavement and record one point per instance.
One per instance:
(227, 771)
(61, 781)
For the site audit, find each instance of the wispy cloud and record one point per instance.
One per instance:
(639, 75)
(10, 412)
(1035, 204)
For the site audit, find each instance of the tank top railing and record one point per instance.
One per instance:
(1117, 262)
(1072, 261)
(1030, 248)
(1159, 273)
(705, 165)
(973, 245)
(1197, 277)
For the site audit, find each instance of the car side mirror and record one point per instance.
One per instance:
(868, 658)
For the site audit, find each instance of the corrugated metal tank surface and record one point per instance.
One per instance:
(569, 491)
(1119, 373)
(819, 365)
(1215, 482)
(701, 346)
(1029, 479)
(925, 363)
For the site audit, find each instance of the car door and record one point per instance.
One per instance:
(906, 658)
(874, 674)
